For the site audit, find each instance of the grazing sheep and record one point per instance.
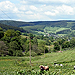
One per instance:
(61, 65)
(42, 68)
(55, 64)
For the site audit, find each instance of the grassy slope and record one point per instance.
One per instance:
(69, 24)
(55, 29)
(11, 65)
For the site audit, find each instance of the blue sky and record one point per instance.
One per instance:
(37, 10)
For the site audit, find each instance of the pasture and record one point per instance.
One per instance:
(21, 65)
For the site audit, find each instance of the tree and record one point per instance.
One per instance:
(13, 47)
(15, 38)
(56, 46)
(11, 33)
(23, 40)
(42, 46)
(48, 42)
(66, 44)
(60, 43)
(72, 42)
(51, 38)
(3, 48)
(26, 46)
(42, 37)
(1, 33)
(7, 39)
(31, 36)
(35, 41)
(18, 33)
(35, 48)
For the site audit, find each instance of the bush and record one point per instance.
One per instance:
(15, 53)
(32, 53)
(46, 49)
(10, 52)
(0, 54)
(56, 48)
(19, 53)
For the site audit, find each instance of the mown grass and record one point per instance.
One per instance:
(12, 65)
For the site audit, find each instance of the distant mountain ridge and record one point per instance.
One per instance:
(21, 23)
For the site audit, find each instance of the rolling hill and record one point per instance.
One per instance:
(64, 27)
(6, 27)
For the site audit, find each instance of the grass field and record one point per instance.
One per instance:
(69, 24)
(12, 65)
(55, 29)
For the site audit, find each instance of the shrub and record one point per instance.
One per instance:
(32, 53)
(19, 53)
(46, 50)
(10, 52)
(0, 54)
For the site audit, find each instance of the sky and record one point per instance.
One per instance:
(37, 10)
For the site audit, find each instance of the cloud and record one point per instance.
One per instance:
(31, 10)
(37, 17)
(8, 10)
(64, 9)
(24, 2)
(50, 13)
(22, 8)
(59, 10)
(33, 7)
(58, 1)
(49, 2)
(7, 6)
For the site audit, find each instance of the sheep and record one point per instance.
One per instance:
(42, 68)
(60, 65)
(55, 64)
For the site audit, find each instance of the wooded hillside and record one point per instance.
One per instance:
(6, 27)
(63, 27)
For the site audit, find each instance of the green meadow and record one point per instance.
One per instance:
(21, 65)
(55, 29)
